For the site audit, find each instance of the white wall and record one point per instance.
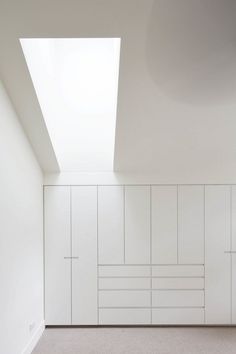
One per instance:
(21, 235)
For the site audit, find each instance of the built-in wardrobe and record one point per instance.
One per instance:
(140, 254)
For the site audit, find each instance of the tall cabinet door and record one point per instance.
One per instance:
(191, 224)
(164, 224)
(57, 249)
(137, 224)
(217, 261)
(233, 254)
(111, 224)
(84, 255)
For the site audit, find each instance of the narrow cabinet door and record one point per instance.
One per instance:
(191, 224)
(111, 224)
(217, 262)
(137, 224)
(84, 255)
(164, 224)
(57, 247)
(233, 254)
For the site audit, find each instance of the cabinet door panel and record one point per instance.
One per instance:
(217, 262)
(57, 246)
(178, 316)
(124, 298)
(111, 224)
(178, 298)
(124, 316)
(84, 246)
(137, 225)
(233, 255)
(124, 271)
(191, 224)
(164, 224)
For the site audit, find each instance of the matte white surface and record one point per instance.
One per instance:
(57, 246)
(233, 216)
(217, 262)
(191, 224)
(124, 283)
(178, 283)
(111, 225)
(164, 224)
(124, 316)
(21, 235)
(178, 316)
(178, 271)
(233, 249)
(176, 107)
(84, 246)
(233, 279)
(124, 298)
(137, 224)
(124, 271)
(177, 298)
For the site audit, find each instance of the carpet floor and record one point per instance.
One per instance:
(166, 340)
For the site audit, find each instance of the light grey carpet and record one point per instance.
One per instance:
(137, 341)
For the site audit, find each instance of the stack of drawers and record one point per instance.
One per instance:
(178, 294)
(124, 294)
(157, 294)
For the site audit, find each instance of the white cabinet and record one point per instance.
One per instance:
(84, 246)
(164, 224)
(217, 262)
(191, 224)
(137, 224)
(140, 254)
(71, 255)
(111, 224)
(57, 247)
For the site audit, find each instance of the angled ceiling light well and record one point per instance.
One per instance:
(76, 82)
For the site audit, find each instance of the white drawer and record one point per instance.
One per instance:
(177, 298)
(124, 271)
(124, 316)
(125, 283)
(178, 283)
(178, 316)
(178, 271)
(124, 298)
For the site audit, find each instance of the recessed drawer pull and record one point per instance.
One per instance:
(71, 257)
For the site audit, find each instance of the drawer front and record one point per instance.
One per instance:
(124, 271)
(178, 283)
(178, 271)
(177, 298)
(124, 316)
(124, 298)
(124, 283)
(178, 316)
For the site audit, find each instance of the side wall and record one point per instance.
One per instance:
(21, 236)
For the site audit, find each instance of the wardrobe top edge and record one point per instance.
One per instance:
(139, 184)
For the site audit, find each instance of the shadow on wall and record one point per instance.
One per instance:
(191, 50)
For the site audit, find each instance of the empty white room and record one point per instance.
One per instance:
(117, 176)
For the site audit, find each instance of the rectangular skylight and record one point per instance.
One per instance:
(76, 82)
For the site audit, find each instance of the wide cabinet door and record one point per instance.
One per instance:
(70, 255)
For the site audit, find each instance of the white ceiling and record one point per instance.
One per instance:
(177, 85)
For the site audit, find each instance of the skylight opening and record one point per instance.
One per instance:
(76, 82)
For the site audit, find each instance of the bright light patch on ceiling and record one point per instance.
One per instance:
(76, 82)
